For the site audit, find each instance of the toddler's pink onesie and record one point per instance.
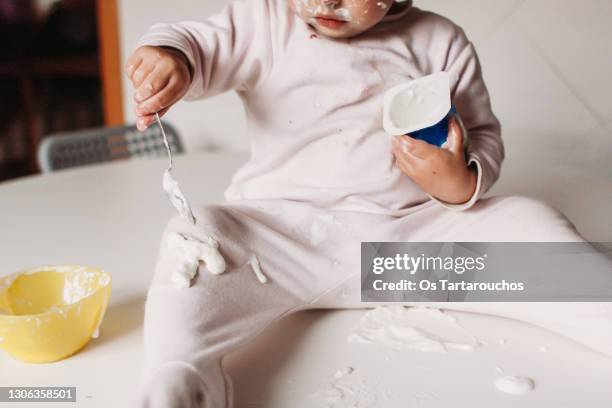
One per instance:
(321, 178)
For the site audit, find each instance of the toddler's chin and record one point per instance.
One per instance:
(345, 32)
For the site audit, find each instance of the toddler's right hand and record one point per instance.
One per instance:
(161, 77)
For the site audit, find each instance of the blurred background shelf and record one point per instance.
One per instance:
(61, 71)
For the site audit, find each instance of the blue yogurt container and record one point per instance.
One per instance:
(438, 133)
(421, 108)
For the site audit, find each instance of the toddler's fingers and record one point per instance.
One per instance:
(417, 148)
(141, 73)
(154, 83)
(162, 99)
(132, 64)
(455, 137)
(402, 149)
(405, 161)
(408, 166)
(143, 122)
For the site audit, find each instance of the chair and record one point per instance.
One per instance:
(64, 150)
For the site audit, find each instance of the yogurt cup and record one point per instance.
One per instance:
(421, 108)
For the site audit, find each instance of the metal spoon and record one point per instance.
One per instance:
(170, 185)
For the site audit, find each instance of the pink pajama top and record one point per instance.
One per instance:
(314, 104)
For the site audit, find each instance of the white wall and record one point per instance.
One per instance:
(547, 63)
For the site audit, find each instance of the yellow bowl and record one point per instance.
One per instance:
(49, 313)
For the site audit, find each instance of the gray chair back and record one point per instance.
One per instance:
(71, 149)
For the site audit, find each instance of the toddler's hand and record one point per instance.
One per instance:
(161, 77)
(440, 172)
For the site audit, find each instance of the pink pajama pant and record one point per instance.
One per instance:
(311, 257)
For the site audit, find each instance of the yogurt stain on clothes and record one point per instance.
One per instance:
(254, 262)
(317, 231)
(188, 250)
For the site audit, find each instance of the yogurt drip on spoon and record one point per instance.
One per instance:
(170, 185)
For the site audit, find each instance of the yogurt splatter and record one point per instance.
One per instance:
(344, 14)
(176, 197)
(514, 385)
(345, 390)
(189, 252)
(254, 262)
(415, 328)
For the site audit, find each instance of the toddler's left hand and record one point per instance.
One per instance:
(441, 172)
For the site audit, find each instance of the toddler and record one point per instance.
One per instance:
(322, 176)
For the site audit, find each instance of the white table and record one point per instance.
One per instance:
(113, 215)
